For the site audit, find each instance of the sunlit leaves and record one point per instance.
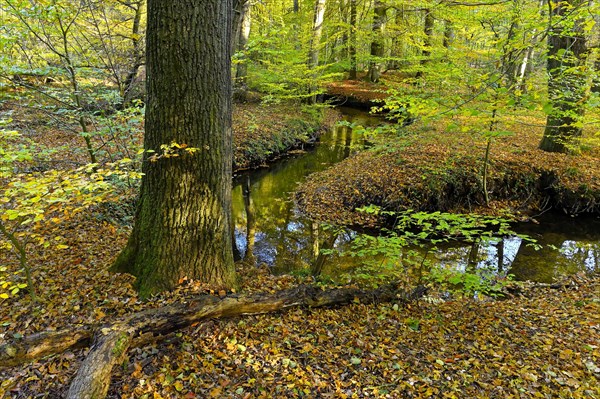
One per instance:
(29, 202)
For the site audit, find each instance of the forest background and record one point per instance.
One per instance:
(72, 76)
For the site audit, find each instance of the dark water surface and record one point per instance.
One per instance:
(269, 229)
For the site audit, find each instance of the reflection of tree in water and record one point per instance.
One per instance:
(250, 222)
(567, 248)
(569, 245)
(269, 229)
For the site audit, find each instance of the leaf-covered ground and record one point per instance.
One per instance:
(432, 169)
(542, 343)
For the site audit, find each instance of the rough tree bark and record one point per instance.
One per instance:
(182, 227)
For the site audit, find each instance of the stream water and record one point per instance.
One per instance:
(270, 230)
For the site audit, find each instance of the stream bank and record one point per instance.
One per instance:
(431, 171)
(263, 133)
(270, 229)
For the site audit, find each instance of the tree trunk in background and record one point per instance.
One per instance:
(448, 34)
(242, 66)
(377, 48)
(595, 46)
(567, 90)
(510, 52)
(352, 41)
(343, 48)
(428, 32)
(527, 60)
(395, 51)
(182, 227)
(315, 41)
(236, 23)
(596, 81)
(137, 53)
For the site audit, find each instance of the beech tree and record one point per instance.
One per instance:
(182, 224)
(567, 80)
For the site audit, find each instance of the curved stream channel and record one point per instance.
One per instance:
(270, 230)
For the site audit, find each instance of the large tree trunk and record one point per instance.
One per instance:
(566, 77)
(182, 227)
(377, 48)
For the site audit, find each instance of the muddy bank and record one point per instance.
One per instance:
(432, 171)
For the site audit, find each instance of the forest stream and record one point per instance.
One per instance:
(270, 230)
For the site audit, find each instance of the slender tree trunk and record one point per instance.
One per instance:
(321, 258)
(510, 54)
(567, 90)
(236, 23)
(525, 67)
(342, 47)
(182, 227)
(244, 34)
(395, 50)
(315, 43)
(352, 41)
(428, 32)
(596, 81)
(448, 34)
(136, 52)
(377, 48)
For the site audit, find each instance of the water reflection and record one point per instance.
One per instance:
(567, 245)
(269, 229)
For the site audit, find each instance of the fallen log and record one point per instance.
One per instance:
(39, 345)
(111, 342)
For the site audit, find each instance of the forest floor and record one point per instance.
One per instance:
(539, 342)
